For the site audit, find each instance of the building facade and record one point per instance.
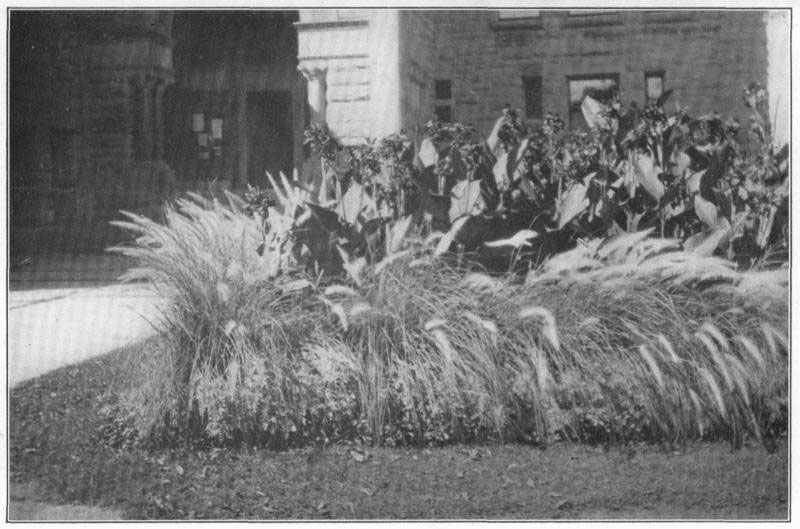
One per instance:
(115, 110)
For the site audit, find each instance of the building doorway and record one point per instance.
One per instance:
(270, 140)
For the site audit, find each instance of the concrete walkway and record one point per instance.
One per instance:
(65, 309)
(51, 328)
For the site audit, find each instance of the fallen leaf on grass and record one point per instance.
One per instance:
(360, 455)
(564, 505)
(460, 475)
(179, 470)
(530, 483)
(366, 491)
(554, 494)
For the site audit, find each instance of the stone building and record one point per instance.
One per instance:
(116, 109)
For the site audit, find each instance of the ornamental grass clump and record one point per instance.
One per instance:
(666, 345)
(228, 327)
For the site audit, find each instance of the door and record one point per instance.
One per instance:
(269, 116)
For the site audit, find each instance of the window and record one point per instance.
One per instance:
(602, 87)
(443, 89)
(532, 87)
(510, 14)
(444, 113)
(654, 85)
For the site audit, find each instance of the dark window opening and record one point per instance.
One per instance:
(443, 89)
(532, 86)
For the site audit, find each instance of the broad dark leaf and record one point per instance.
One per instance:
(663, 97)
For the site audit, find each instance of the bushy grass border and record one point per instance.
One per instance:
(618, 340)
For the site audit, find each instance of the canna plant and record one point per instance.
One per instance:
(707, 182)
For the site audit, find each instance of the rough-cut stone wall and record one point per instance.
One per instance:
(707, 57)
(334, 55)
(76, 125)
(417, 44)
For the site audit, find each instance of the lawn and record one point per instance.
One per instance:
(56, 450)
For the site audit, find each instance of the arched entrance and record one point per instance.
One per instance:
(236, 108)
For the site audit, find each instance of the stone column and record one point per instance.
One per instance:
(315, 73)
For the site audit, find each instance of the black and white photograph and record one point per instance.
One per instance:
(469, 263)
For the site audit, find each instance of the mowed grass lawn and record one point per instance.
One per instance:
(54, 450)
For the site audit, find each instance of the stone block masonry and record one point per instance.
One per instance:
(707, 57)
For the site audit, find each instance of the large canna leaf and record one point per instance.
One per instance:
(508, 167)
(428, 154)
(493, 141)
(647, 172)
(396, 233)
(447, 239)
(706, 211)
(356, 201)
(594, 113)
(705, 243)
(573, 201)
(518, 240)
(500, 171)
(466, 199)
(765, 223)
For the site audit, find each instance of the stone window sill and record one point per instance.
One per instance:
(669, 17)
(331, 24)
(592, 20)
(500, 24)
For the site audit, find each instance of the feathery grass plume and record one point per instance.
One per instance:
(721, 366)
(340, 290)
(651, 363)
(480, 282)
(714, 388)
(751, 348)
(662, 340)
(549, 330)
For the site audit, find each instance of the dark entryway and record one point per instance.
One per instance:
(269, 135)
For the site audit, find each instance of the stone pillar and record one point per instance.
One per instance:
(316, 73)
